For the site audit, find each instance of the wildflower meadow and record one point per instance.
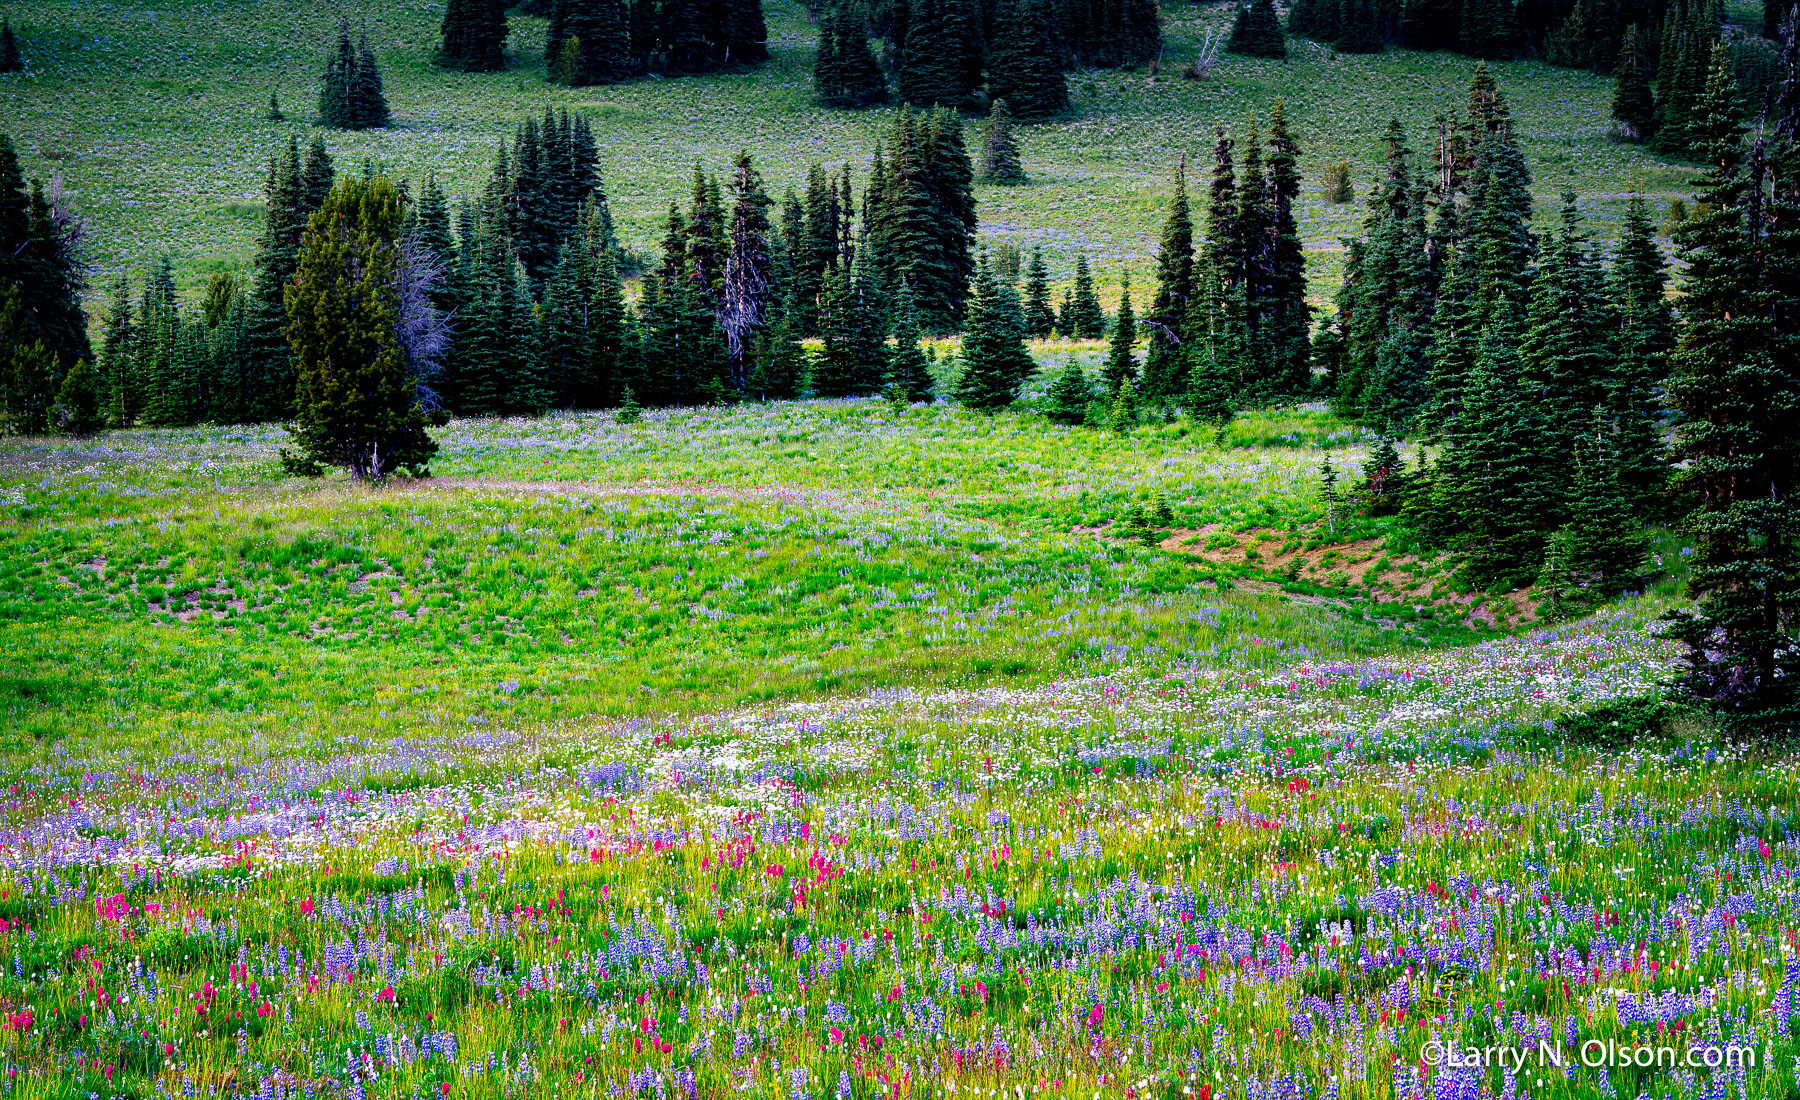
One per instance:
(689, 757)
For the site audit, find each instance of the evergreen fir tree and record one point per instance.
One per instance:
(1633, 104)
(845, 72)
(1359, 27)
(1430, 24)
(1070, 394)
(749, 291)
(1121, 361)
(1256, 31)
(1492, 488)
(1123, 415)
(1565, 350)
(933, 55)
(1000, 151)
(356, 406)
(1040, 317)
(1604, 545)
(80, 404)
(1211, 396)
(1165, 362)
(28, 371)
(1087, 322)
(1488, 29)
(10, 61)
(994, 359)
(117, 356)
(907, 367)
(835, 372)
(474, 35)
(1022, 67)
(1735, 388)
(1287, 318)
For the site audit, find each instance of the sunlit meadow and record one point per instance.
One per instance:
(824, 750)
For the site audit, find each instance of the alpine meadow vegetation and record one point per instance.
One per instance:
(899, 550)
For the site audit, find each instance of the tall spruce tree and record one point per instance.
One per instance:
(1022, 67)
(474, 35)
(1121, 354)
(355, 406)
(1165, 375)
(1256, 31)
(1567, 345)
(749, 291)
(1069, 395)
(1287, 318)
(1083, 317)
(1633, 103)
(994, 359)
(1737, 391)
(1000, 149)
(1040, 316)
(10, 59)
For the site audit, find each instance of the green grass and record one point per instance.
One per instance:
(152, 114)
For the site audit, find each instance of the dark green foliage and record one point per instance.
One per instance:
(1566, 350)
(1256, 31)
(1491, 485)
(1359, 28)
(919, 216)
(1285, 317)
(536, 192)
(10, 61)
(1430, 24)
(1000, 150)
(1604, 545)
(994, 360)
(1488, 29)
(355, 404)
(935, 54)
(908, 368)
(117, 354)
(1082, 316)
(350, 93)
(1121, 361)
(1587, 38)
(591, 43)
(80, 401)
(1022, 65)
(1111, 33)
(1211, 396)
(749, 291)
(1633, 104)
(474, 35)
(1070, 395)
(1682, 58)
(28, 371)
(1736, 388)
(1640, 306)
(845, 72)
(1040, 317)
(42, 261)
(1165, 363)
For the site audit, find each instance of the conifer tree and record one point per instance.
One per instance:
(1430, 24)
(1287, 318)
(1040, 317)
(1087, 321)
(1566, 346)
(1022, 67)
(1359, 29)
(1633, 103)
(834, 373)
(1000, 151)
(1256, 31)
(41, 258)
(994, 359)
(932, 65)
(474, 35)
(1123, 415)
(1165, 375)
(350, 94)
(28, 371)
(1121, 361)
(749, 291)
(907, 367)
(589, 42)
(1735, 388)
(1604, 544)
(355, 404)
(1491, 486)
(117, 355)
(10, 61)
(1069, 395)
(1488, 29)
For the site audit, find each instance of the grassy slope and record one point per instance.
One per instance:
(152, 114)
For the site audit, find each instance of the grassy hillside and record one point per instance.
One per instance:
(152, 114)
